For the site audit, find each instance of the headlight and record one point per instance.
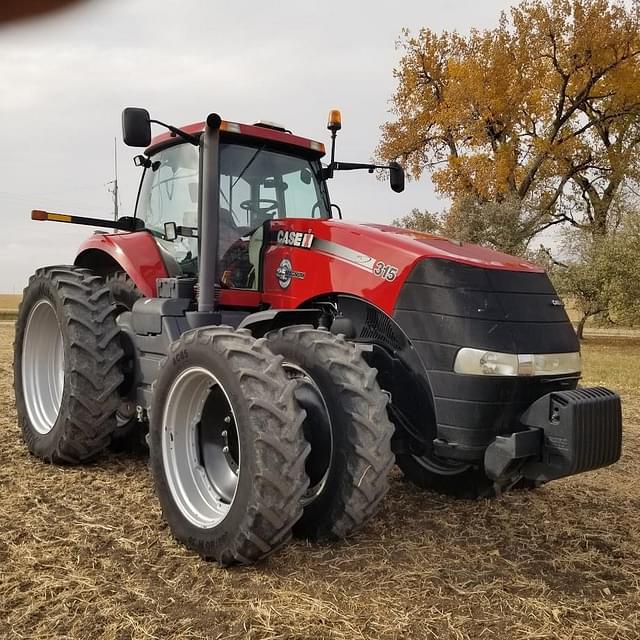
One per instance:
(491, 363)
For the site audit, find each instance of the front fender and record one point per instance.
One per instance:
(135, 253)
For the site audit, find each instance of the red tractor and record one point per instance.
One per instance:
(281, 360)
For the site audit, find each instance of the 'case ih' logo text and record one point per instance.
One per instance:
(295, 239)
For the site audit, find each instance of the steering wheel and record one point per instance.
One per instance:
(254, 206)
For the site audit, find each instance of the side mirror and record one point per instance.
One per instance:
(136, 127)
(170, 231)
(396, 177)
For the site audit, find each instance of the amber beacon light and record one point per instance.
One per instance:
(334, 122)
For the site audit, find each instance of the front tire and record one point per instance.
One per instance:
(66, 365)
(347, 425)
(460, 481)
(227, 450)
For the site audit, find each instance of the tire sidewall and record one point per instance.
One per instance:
(208, 357)
(125, 294)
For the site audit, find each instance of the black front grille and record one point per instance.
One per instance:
(449, 303)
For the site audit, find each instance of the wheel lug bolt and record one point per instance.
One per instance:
(225, 449)
(227, 419)
(224, 434)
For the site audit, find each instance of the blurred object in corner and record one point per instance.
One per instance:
(11, 10)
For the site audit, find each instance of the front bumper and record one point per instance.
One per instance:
(566, 432)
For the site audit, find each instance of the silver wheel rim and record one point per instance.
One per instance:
(305, 381)
(43, 366)
(201, 461)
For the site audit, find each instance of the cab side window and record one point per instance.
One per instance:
(169, 193)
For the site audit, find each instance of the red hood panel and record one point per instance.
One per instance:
(429, 245)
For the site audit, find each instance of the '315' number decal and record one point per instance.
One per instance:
(386, 271)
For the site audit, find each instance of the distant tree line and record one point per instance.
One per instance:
(529, 126)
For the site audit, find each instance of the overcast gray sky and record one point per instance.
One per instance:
(65, 79)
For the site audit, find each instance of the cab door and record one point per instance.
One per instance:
(169, 193)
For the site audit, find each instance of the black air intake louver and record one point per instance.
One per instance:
(379, 328)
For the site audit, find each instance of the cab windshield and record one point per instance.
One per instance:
(257, 185)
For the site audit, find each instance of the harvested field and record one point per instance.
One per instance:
(9, 305)
(85, 554)
(10, 301)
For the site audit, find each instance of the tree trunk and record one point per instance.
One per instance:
(580, 327)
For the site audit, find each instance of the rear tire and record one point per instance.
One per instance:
(352, 480)
(227, 450)
(129, 434)
(123, 291)
(66, 365)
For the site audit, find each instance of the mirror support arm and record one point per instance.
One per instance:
(394, 168)
(327, 172)
(178, 132)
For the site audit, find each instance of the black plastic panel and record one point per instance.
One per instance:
(446, 305)
(505, 336)
(445, 273)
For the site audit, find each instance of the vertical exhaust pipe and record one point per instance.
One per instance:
(209, 212)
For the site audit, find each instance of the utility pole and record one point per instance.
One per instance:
(114, 182)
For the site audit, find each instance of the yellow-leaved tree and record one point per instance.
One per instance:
(540, 114)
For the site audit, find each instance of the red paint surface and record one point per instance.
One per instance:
(240, 298)
(325, 274)
(245, 129)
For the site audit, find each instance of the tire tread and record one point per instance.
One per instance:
(368, 432)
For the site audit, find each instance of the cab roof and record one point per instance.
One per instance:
(252, 131)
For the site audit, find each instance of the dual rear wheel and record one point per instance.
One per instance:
(226, 446)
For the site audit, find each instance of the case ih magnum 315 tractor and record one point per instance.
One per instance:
(282, 360)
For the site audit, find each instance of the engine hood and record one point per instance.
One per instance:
(370, 261)
(426, 245)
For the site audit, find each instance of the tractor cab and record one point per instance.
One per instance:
(260, 179)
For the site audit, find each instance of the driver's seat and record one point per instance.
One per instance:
(228, 231)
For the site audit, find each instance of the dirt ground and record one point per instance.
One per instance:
(85, 554)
